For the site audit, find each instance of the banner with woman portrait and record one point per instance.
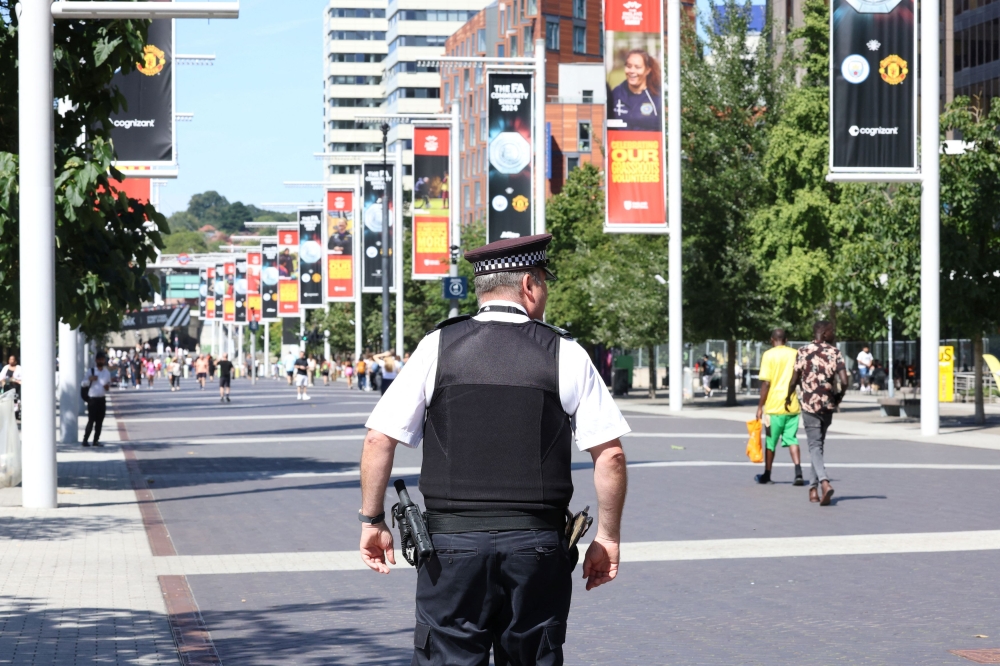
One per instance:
(253, 286)
(635, 130)
(431, 203)
(340, 246)
(269, 280)
(288, 272)
(229, 292)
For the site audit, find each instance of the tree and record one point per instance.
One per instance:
(185, 241)
(214, 209)
(732, 98)
(104, 240)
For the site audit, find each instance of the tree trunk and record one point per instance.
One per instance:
(731, 372)
(652, 371)
(977, 369)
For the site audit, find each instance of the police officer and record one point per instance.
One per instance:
(498, 399)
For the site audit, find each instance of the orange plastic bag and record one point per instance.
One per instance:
(754, 451)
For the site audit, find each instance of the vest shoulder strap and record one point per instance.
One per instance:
(449, 322)
(561, 331)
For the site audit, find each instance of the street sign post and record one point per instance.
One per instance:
(455, 288)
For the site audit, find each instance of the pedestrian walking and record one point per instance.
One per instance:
(289, 366)
(201, 370)
(98, 383)
(780, 421)
(312, 370)
(175, 374)
(865, 365)
(225, 378)
(506, 387)
(817, 367)
(150, 373)
(362, 371)
(211, 368)
(389, 368)
(10, 377)
(301, 367)
(707, 370)
(349, 373)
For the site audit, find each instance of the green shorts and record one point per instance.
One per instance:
(783, 427)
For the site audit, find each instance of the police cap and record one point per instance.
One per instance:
(512, 254)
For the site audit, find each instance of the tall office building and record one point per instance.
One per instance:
(354, 50)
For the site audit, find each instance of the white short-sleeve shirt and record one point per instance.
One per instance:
(595, 417)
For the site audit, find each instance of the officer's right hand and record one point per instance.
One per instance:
(600, 565)
(376, 547)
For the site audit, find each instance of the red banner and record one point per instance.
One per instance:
(288, 272)
(228, 309)
(254, 307)
(229, 300)
(253, 272)
(340, 246)
(431, 203)
(635, 177)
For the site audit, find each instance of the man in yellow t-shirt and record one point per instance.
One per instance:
(776, 368)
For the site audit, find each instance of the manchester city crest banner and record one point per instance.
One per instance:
(509, 213)
(635, 137)
(378, 182)
(269, 277)
(340, 249)
(143, 134)
(431, 203)
(311, 258)
(873, 86)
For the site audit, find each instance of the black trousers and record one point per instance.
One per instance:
(506, 590)
(96, 409)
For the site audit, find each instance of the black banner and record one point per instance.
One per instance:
(311, 258)
(202, 292)
(510, 156)
(167, 317)
(240, 290)
(144, 131)
(269, 280)
(378, 183)
(219, 289)
(873, 92)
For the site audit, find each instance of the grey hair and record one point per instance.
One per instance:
(508, 283)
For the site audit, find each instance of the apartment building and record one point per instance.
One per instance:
(354, 50)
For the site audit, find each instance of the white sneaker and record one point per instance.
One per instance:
(298, 396)
(306, 397)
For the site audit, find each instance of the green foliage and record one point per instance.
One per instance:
(185, 241)
(103, 239)
(211, 208)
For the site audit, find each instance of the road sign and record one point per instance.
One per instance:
(455, 287)
(183, 258)
(254, 326)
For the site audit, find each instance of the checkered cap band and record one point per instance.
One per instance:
(524, 260)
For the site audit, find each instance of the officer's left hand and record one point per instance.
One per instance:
(376, 547)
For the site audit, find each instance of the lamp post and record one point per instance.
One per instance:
(385, 236)
(884, 281)
(674, 252)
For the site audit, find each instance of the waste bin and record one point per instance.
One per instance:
(619, 383)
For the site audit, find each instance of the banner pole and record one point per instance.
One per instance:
(455, 219)
(675, 298)
(253, 357)
(69, 385)
(267, 349)
(930, 210)
(397, 239)
(539, 132)
(358, 263)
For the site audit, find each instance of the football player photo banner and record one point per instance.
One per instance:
(340, 246)
(509, 151)
(143, 133)
(202, 293)
(431, 203)
(378, 182)
(288, 272)
(253, 286)
(311, 258)
(873, 86)
(269, 281)
(635, 129)
(240, 290)
(229, 292)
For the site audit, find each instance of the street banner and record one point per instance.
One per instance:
(253, 272)
(378, 182)
(209, 293)
(946, 373)
(288, 272)
(635, 130)
(311, 258)
(873, 86)
(510, 151)
(269, 278)
(158, 317)
(229, 298)
(431, 202)
(219, 288)
(202, 292)
(240, 290)
(340, 246)
(143, 132)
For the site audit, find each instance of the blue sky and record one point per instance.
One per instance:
(258, 109)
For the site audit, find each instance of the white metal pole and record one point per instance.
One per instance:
(398, 251)
(37, 253)
(229, 341)
(69, 383)
(240, 345)
(302, 330)
(930, 211)
(454, 218)
(267, 349)
(674, 204)
(357, 267)
(892, 379)
(253, 357)
(539, 136)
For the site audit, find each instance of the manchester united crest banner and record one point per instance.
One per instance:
(873, 86)
(431, 203)
(509, 151)
(340, 250)
(635, 130)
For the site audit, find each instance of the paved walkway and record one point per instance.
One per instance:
(229, 530)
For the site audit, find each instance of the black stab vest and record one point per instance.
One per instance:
(496, 437)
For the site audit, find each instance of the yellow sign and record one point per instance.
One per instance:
(520, 203)
(994, 366)
(893, 70)
(946, 374)
(153, 60)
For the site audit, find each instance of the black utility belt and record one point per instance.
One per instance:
(494, 521)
